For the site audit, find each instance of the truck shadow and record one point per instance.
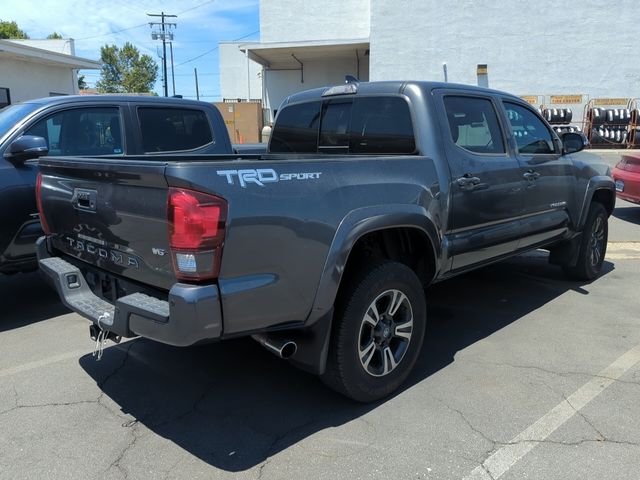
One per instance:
(627, 212)
(233, 404)
(26, 299)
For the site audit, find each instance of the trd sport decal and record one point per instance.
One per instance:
(261, 176)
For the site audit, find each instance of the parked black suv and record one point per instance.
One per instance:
(88, 126)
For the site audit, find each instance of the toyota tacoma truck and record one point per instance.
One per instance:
(322, 248)
(89, 125)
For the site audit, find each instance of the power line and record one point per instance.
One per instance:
(112, 33)
(197, 6)
(141, 25)
(215, 48)
(199, 74)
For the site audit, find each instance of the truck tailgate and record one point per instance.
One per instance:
(111, 214)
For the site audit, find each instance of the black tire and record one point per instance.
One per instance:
(354, 333)
(593, 245)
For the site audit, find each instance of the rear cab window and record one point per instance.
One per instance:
(174, 129)
(355, 125)
(296, 129)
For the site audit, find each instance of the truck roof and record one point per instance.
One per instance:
(391, 87)
(62, 99)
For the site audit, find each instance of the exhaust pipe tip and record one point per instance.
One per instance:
(282, 348)
(288, 349)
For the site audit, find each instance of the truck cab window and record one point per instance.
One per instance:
(173, 129)
(296, 129)
(381, 125)
(334, 136)
(531, 134)
(81, 131)
(474, 124)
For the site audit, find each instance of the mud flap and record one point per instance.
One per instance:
(566, 253)
(313, 345)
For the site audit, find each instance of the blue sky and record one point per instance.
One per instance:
(201, 25)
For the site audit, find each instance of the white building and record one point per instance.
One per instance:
(538, 49)
(39, 68)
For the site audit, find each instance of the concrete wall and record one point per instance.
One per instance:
(280, 84)
(291, 21)
(542, 47)
(233, 73)
(29, 80)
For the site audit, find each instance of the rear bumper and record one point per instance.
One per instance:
(191, 314)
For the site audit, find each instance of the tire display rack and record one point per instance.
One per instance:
(612, 126)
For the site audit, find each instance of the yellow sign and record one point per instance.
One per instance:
(565, 99)
(482, 69)
(610, 101)
(530, 99)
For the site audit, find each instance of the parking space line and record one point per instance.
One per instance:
(42, 363)
(498, 463)
(621, 256)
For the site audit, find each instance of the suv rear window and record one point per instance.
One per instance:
(173, 129)
(365, 125)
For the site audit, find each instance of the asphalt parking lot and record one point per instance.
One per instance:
(524, 375)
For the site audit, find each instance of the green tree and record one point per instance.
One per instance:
(54, 36)
(124, 70)
(11, 30)
(82, 83)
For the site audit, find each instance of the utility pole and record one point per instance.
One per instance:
(164, 33)
(195, 72)
(173, 76)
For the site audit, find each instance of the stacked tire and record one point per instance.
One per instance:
(560, 120)
(611, 126)
(558, 116)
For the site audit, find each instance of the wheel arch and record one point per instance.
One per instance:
(600, 189)
(411, 223)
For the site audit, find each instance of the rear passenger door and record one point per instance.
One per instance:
(486, 181)
(548, 175)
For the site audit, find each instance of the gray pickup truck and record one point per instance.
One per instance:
(322, 248)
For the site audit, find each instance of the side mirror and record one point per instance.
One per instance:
(25, 148)
(573, 142)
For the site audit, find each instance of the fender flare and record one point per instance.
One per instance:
(599, 182)
(357, 224)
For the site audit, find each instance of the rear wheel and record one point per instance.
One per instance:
(378, 332)
(593, 245)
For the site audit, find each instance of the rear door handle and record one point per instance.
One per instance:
(531, 175)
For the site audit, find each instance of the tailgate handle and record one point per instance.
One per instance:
(84, 199)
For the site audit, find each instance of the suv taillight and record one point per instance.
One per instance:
(196, 233)
(43, 220)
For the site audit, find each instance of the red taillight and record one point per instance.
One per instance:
(196, 233)
(43, 219)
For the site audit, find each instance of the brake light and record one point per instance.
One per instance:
(43, 219)
(196, 233)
